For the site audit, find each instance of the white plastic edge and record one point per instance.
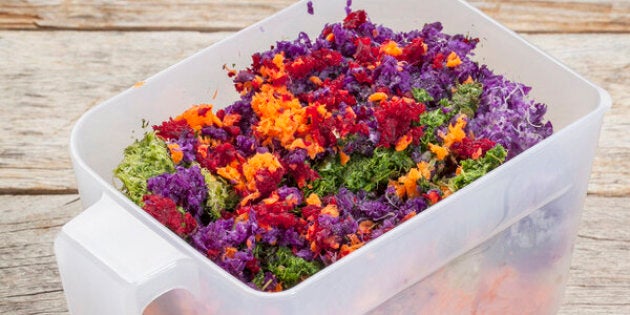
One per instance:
(604, 105)
(132, 275)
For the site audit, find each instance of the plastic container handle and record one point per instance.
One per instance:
(111, 263)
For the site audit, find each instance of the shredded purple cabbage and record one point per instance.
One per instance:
(186, 187)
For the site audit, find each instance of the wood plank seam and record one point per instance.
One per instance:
(236, 29)
(536, 17)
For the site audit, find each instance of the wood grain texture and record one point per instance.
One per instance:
(53, 71)
(212, 15)
(28, 269)
(565, 16)
(599, 281)
(585, 54)
(208, 15)
(48, 86)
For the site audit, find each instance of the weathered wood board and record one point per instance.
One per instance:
(59, 58)
(576, 16)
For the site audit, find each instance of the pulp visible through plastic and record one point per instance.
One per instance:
(501, 245)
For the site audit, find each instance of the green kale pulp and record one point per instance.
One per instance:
(421, 95)
(373, 173)
(474, 169)
(431, 121)
(466, 98)
(259, 281)
(220, 195)
(361, 172)
(288, 268)
(142, 160)
(330, 178)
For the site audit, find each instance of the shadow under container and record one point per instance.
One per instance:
(501, 245)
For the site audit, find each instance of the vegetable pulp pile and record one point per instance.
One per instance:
(333, 142)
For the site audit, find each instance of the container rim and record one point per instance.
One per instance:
(604, 104)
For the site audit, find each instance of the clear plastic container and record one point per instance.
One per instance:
(501, 245)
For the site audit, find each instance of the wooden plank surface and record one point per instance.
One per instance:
(28, 269)
(545, 16)
(212, 15)
(50, 85)
(585, 54)
(57, 77)
(599, 280)
(59, 58)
